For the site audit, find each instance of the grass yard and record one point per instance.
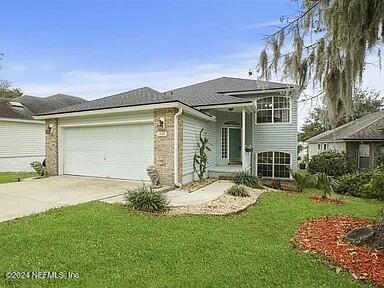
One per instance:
(6, 177)
(111, 247)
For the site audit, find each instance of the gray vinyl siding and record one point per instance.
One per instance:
(281, 137)
(191, 130)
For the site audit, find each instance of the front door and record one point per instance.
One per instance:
(234, 145)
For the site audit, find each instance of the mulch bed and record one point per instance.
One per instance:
(326, 235)
(319, 199)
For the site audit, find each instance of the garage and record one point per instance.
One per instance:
(115, 151)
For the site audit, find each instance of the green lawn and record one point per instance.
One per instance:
(112, 247)
(6, 177)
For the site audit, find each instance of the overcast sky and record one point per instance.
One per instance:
(100, 47)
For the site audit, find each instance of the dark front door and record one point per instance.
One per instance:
(234, 145)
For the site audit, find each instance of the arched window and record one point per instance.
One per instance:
(274, 109)
(273, 164)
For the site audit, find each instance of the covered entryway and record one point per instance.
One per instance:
(119, 151)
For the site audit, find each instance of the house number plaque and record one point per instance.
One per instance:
(161, 133)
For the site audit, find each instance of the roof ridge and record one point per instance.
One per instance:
(369, 124)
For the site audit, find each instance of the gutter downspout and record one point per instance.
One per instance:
(176, 148)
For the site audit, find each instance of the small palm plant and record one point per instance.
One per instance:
(238, 191)
(325, 183)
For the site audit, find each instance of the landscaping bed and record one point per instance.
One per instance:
(227, 204)
(195, 185)
(326, 236)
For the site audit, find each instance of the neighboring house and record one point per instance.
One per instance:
(251, 125)
(362, 140)
(22, 137)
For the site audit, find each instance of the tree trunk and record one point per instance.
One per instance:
(377, 238)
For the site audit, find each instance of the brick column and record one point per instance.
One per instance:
(52, 147)
(164, 145)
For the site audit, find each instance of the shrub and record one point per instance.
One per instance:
(352, 184)
(276, 184)
(375, 188)
(145, 198)
(302, 180)
(332, 163)
(238, 191)
(247, 179)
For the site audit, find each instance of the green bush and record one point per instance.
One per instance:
(375, 188)
(332, 163)
(247, 179)
(302, 180)
(352, 184)
(238, 191)
(146, 199)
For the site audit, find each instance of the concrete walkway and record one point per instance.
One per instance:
(206, 194)
(33, 196)
(180, 197)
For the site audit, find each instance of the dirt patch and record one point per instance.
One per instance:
(326, 236)
(225, 205)
(319, 199)
(196, 185)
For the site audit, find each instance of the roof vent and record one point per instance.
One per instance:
(16, 104)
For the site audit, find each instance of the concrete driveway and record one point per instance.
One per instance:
(37, 195)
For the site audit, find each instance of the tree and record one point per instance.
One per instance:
(330, 41)
(7, 92)
(327, 44)
(364, 102)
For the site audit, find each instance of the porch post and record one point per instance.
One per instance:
(243, 139)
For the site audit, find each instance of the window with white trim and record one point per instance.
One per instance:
(273, 164)
(364, 157)
(274, 109)
(224, 143)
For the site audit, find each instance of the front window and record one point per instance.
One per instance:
(274, 109)
(364, 157)
(273, 164)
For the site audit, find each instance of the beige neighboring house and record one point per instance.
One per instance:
(362, 140)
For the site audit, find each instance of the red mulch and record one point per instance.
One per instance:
(319, 199)
(325, 236)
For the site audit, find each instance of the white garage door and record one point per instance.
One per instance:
(112, 151)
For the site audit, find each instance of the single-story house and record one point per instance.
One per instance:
(362, 140)
(22, 137)
(251, 126)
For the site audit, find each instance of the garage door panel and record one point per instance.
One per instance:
(113, 151)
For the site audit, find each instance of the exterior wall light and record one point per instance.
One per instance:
(49, 129)
(161, 123)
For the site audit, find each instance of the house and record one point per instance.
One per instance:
(22, 137)
(251, 126)
(362, 140)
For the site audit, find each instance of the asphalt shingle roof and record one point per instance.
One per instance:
(215, 92)
(140, 96)
(34, 105)
(369, 127)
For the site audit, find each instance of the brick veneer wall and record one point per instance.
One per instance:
(51, 147)
(164, 148)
